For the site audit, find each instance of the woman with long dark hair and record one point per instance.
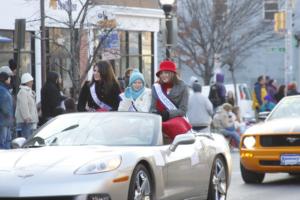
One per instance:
(102, 93)
(280, 93)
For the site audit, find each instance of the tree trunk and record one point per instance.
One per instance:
(74, 65)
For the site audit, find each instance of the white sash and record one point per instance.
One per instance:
(132, 107)
(96, 100)
(163, 98)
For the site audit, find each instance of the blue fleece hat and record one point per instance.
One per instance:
(135, 75)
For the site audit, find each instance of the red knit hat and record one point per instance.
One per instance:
(166, 65)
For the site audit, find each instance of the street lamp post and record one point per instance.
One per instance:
(167, 6)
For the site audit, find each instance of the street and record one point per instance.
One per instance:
(274, 187)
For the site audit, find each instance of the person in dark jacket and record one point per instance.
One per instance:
(272, 89)
(217, 92)
(6, 111)
(51, 96)
(14, 79)
(102, 93)
(292, 89)
(280, 93)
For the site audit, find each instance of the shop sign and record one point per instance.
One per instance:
(62, 5)
(107, 24)
(110, 45)
(106, 20)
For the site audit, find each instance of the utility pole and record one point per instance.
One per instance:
(288, 57)
(43, 41)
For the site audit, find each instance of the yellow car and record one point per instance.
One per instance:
(274, 145)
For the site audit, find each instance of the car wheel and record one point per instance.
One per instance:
(140, 187)
(218, 180)
(251, 176)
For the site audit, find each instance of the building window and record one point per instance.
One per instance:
(58, 59)
(136, 51)
(8, 52)
(270, 8)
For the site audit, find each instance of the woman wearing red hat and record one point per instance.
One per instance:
(170, 100)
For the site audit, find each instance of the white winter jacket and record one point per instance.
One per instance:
(142, 103)
(26, 106)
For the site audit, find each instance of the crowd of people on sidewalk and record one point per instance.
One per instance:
(267, 93)
(181, 108)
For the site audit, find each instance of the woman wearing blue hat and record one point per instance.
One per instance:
(136, 97)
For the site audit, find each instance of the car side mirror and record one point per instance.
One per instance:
(18, 142)
(182, 139)
(263, 115)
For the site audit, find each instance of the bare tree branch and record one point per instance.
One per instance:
(231, 29)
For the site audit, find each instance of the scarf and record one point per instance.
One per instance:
(159, 106)
(133, 94)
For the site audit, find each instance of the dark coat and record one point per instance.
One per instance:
(292, 92)
(179, 95)
(111, 97)
(51, 97)
(6, 106)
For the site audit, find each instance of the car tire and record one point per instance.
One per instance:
(141, 184)
(218, 182)
(251, 176)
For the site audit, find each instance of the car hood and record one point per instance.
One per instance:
(39, 160)
(276, 126)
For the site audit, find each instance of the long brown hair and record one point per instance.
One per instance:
(174, 78)
(107, 75)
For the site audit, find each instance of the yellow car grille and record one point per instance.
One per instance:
(290, 140)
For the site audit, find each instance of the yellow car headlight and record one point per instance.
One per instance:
(249, 142)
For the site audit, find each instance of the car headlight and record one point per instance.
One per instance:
(98, 166)
(249, 142)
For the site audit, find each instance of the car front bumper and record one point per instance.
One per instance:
(267, 159)
(76, 187)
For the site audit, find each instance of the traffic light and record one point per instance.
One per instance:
(279, 21)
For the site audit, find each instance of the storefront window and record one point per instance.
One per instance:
(135, 52)
(7, 46)
(146, 43)
(8, 52)
(4, 58)
(134, 62)
(134, 43)
(147, 69)
(58, 59)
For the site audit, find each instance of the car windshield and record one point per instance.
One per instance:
(111, 129)
(287, 108)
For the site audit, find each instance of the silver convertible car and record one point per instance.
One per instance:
(114, 156)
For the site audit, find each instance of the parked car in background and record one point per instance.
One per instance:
(244, 99)
(273, 145)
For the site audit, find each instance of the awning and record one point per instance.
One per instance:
(5, 39)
